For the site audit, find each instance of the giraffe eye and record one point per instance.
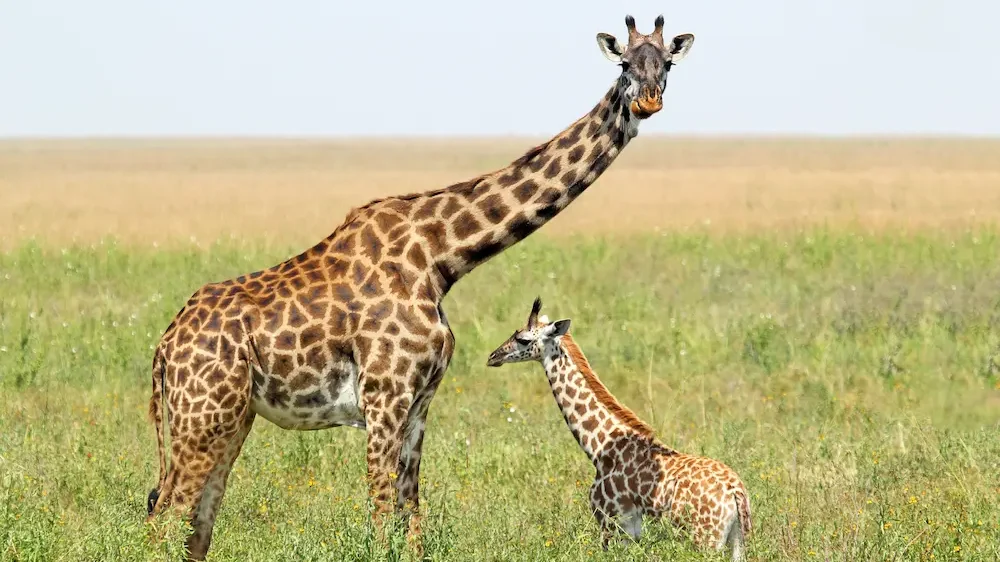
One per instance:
(521, 339)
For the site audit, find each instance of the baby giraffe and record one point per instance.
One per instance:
(637, 475)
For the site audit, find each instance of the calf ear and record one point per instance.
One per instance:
(560, 328)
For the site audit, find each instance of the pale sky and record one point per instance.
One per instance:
(460, 67)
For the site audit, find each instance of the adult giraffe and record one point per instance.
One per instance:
(351, 332)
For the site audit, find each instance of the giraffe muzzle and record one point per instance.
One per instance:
(650, 101)
(495, 360)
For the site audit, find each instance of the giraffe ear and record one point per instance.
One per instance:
(610, 46)
(560, 328)
(679, 46)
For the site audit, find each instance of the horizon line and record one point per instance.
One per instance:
(483, 137)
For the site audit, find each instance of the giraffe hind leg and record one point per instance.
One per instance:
(734, 541)
(203, 518)
(207, 431)
(631, 523)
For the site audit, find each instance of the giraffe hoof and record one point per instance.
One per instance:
(154, 495)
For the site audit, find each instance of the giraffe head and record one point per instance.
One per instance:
(645, 62)
(530, 342)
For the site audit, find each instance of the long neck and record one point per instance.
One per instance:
(491, 213)
(592, 413)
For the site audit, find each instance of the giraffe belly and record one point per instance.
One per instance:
(333, 401)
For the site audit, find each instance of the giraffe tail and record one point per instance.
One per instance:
(739, 530)
(743, 512)
(156, 415)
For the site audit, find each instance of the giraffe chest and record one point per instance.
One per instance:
(309, 400)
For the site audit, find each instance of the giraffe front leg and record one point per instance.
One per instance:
(385, 419)
(398, 387)
(408, 484)
(603, 510)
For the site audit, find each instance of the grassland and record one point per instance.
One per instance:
(296, 192)
(830, 332)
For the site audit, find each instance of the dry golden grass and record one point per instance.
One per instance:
(165, 191)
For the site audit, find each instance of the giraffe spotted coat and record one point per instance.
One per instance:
(351, 332)
(637, 475)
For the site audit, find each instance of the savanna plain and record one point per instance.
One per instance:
(821, 315)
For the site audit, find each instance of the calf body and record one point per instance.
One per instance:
(637, 475)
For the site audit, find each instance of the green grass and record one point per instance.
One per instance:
(850, 378)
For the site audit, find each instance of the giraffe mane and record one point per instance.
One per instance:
(523, 160)
(602, 393)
